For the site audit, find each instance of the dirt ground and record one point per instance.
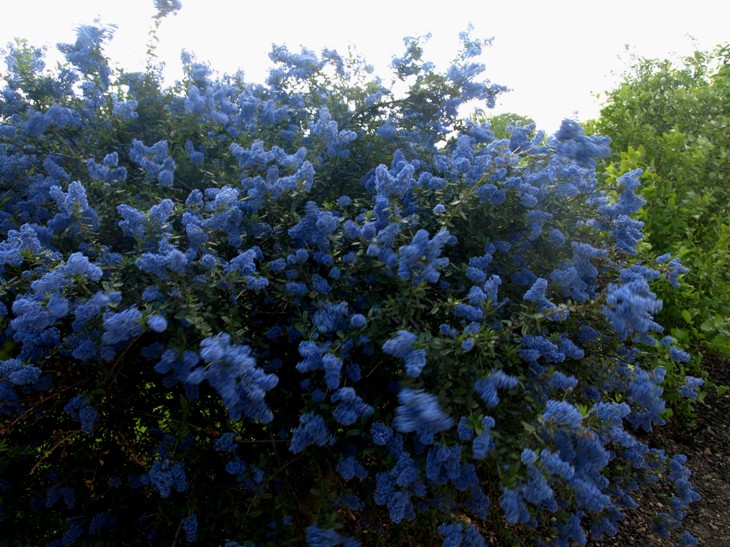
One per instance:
(707, 446)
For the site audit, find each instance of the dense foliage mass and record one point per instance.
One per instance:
(673, 119)
(316, 311)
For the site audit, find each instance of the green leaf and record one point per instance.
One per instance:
(707, 326)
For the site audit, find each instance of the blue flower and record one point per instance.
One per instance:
(159, 214)
(687, 539)
(225, 443)
(483, 443)
(573, 144)
(315, 228)
(536, 294)
(75, 213)
(515, 510)
(627, 232)
(452, 534)
(690, 387)
(79, 409)
(464, 430)
(86, 311)
(100, 522)
(630, 308)
(164, 476)
(331, 317)
(350, 468)
(611, 413)
(207, 261)
(491, 286)
(588, 496)
(572, 529)
(296, 288)
(400, 346)
(421, 259)
(443, 463)
(676, 269)
(196, 155)
(121, 327)
(563, 413)
(232, 372)
(72, 534)
(358, 321)
(562, 381)
(419, 411)
(17, 241)
(190, 527)
(324, 537)
(157, 323)
(380, 433)
(79, 265)
(488, 386)
(18, 373)
(320, 284)
(155, 160)
(400, 506)
(528, 456)
(134, 223)
(646, 392)
(468, 312)
(350, 406)
(414, 362)
(126, 109)
(489, 193)
(85, 53)
(537, 491)
(278, 265)
(160, 264)
(332, 366)
(107, 171)
(557, 237)
(58, 306)
(467, 345)
(386, 131)
(310, 431)
(679, 355)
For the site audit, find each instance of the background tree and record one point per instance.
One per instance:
(672, 119)
(502, 124)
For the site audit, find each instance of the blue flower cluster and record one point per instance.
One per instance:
(155, 160)
(232, 372)
(458, 535)
(164, 476)
(310, 431)
(420, 412)
(402, 347)
(79, 409)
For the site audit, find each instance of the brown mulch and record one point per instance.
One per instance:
(706, 443)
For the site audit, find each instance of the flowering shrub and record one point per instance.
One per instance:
(313, 310)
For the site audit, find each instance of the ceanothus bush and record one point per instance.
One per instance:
(315, 310)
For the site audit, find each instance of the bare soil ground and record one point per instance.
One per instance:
(707, 446)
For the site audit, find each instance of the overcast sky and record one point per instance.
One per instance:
(555, 55)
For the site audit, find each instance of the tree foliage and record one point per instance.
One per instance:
(673, 119)
(312, 310)
(503, 124)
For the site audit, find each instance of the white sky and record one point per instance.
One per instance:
(554, 54)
